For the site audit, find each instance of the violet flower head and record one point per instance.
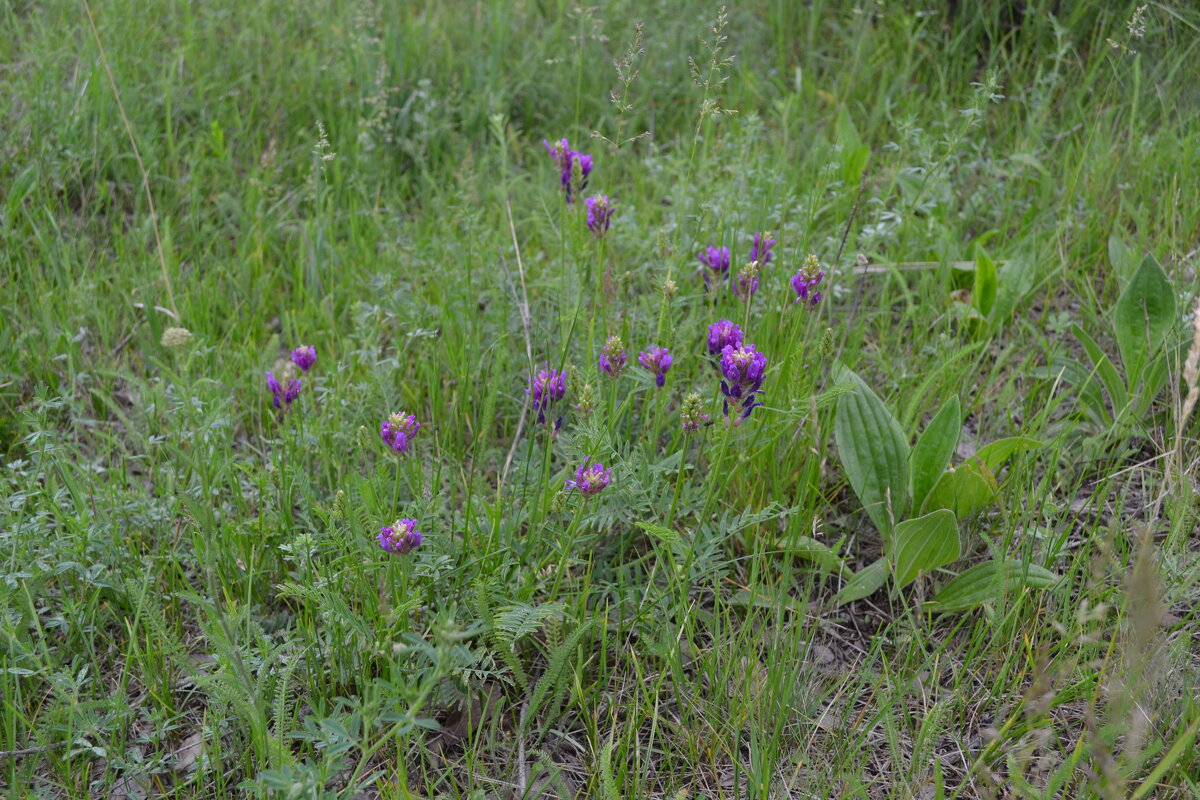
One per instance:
(658, 361)
(613, 357)
(692, 415)
(599, 212)
(573, 166)
(398, 430)
(590, 478)
(283, 397)
(747, 280)
(760, 251)
(546, 388)
(304, 357)
(804, 282)
(716, 259)
(400, 537)
(742, 372)
(721, 334)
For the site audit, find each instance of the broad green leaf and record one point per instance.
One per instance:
(922, 545)
(1019, 279)
(864, 583)
(933, 450)
(853, 163)
(873, 450)
(986, 282)
(993, 454)
(966, 490)
(1145, 314)
(989, 582)
(1114, 384)
(810, 549)
(1122, 257)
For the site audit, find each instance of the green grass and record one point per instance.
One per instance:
(192, 602)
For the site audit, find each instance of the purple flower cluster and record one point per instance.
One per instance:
(805, 280)
(599, 212)
(573, 166)
(398, 430)
(658, 361)
(722, 334)
(304, 357)
(613, 357)
(742, 371)
(590, 478)
(283, 397)
(716, 261)
(400, 537)
(546, 388)
(760, 251)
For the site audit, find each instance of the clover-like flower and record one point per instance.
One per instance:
(760, 251)
(400, 537)
(722, 334)
(746, 283)
(716, 261)
(658, 361)
(613, 357)
(742, 372)
(573, 166)
(304, 357)
(283, 397)
(804, 282)
(590, 478)
(599, 212)
(546, 388)
(398, 430)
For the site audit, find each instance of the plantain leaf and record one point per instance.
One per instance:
(873, 450)
(989, 582)
(924, 544)
(864, 583)
(933, 450)
(994, 454)
(966, 490)
(986, 282)
(1145, 314)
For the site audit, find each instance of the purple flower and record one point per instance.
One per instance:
(546, 388)
(742, 372)
(721, 334)
(569, 163)
(761, 250)
(805, 281)
(283, 397)
(599, 212)
(658, 361)
(400, 537)
(747, 280)
(613, 357)
(590, 478)
(304, 357)
(398, 430)
(717, 261)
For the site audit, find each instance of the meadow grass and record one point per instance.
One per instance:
(193, 602)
